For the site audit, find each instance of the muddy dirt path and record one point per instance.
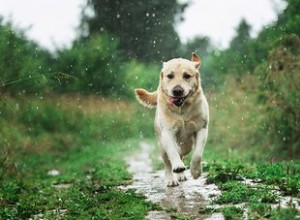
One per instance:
(187, 198)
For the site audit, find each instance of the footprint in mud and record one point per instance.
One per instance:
(188, 198)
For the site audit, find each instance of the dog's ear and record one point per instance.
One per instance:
(196, 59)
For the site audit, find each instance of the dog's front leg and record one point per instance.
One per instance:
(171, 158)
(201, 137)
(169, 145)
(171, 178)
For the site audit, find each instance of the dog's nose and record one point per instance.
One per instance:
(177, 91)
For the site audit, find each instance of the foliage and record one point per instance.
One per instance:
(83, 138)
(280, 92)
(145, 29)
(268, 182)
(242, 36)
(81, 190)
(96, 65)
(47, 122)
(239, 60)
(289, 20)
(21, 60)
(232, 213)
(139, 75)
(200, 45)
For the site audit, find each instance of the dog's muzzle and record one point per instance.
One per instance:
(177, 101)
(177, 97)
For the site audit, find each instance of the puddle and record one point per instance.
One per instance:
(283, 201)
(187, 198)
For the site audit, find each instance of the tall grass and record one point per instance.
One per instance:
(238, 122)
(35, 125)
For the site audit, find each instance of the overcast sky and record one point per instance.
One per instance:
(52, 23)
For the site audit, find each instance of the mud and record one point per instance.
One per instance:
(187, 198)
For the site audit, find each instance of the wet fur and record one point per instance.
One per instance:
(179, 130)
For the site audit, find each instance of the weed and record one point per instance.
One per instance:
(271, 176)
(262, 211)
(232, 213)
(223, 172)
(207, 210)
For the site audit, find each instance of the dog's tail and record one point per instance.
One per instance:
(148, 99)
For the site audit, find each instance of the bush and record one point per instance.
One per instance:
(21, 60)
(280, 93)
(95, 62)
(139, 75)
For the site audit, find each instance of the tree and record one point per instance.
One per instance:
(289, 20)
(95, 65)
(200, 45)
(145, 28)
(242, 36)
(21, 60)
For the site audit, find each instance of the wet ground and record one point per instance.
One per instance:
(188, 198)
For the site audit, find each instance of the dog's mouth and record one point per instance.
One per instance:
(177, 101)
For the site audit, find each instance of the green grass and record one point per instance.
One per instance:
(86, 145)
(257, 198)
(92, 174)
(232, 212)
(86, 140)
(265, 211)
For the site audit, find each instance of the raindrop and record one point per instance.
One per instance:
(147, 14)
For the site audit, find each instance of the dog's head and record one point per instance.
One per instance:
(179, 79)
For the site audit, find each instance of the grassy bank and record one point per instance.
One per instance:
(62, 157)
(238, 148)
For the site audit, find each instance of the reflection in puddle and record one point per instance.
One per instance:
(186, 198)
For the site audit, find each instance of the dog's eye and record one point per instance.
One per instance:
(170, 76)
(186, 76)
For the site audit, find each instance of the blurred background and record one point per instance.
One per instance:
(85, 58)
(68, 70)
(72, 52)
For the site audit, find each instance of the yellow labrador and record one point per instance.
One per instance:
(182, 114)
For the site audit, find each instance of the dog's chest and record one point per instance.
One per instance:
(185, 128)
(185, 136)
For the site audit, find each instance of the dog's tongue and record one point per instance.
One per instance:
(172, 100)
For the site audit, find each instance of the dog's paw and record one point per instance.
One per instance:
(196, 168)
(179, 167)
(181, 177)
(172, 183)
(196, 172)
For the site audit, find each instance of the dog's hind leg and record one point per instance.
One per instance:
(198, 151)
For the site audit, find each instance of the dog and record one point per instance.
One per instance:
(181, 118)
